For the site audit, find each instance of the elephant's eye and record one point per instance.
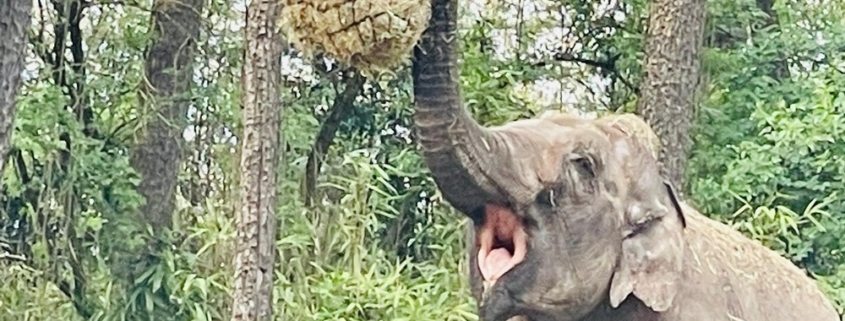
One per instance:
(584, 166)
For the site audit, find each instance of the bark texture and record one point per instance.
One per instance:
(667, 93)
(158, 154)
(256, 221)
(14, 20)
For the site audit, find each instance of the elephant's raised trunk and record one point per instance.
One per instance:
(462, 155)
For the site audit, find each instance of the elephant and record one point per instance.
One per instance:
(572, 220)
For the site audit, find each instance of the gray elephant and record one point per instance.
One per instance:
(572, 220)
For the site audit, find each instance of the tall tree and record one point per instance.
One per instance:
(14, 20)
(673, 47)
(158, 152)
(780, 68)
(167, 95)
(256, 223)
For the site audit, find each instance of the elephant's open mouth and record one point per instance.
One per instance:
(502, 241)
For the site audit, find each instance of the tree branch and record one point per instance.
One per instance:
(608, 66)
(12, 257)
(340, 110)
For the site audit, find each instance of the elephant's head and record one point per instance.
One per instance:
(571, 215)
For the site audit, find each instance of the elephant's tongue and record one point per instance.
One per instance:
(502, 225)
(497, 263)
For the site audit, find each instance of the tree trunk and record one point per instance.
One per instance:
(158, 154)
(256, 222)
(780, 70)
(673, 47)
(14, 20)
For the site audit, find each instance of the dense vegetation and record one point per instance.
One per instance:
(376, 242)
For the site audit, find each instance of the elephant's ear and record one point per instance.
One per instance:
(652, 248)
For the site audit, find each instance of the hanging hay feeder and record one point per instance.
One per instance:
(370, 35)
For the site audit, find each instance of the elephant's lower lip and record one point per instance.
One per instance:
(498, 305)
(502, 243)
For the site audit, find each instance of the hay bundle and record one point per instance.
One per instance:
(370, 35)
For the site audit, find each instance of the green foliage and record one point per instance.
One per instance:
(785, 185)
(336, 269)
(768, 143)
(380, 244)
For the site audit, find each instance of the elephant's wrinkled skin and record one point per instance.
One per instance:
(573, 221)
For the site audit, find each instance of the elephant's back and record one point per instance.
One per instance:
(744, 279)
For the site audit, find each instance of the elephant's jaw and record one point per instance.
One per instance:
(502, 241)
